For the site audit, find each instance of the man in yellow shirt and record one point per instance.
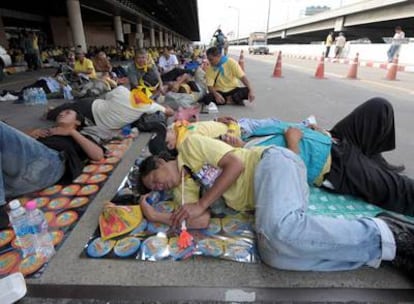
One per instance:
(223, 78)
(83, 65)
(272, 181)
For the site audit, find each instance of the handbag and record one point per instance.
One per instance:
(149, 122)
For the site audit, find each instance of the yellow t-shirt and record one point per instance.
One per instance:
(198, 150)
(227, 81)
(84, 67)
(210, 128)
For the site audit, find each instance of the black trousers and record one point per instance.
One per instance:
(363, 134)
(237, 95)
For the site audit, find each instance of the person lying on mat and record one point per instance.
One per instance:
(272, 181)
(43, 157)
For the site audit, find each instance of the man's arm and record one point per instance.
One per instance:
(246, 82)
(217, 96)
(293, 137)
(231, 167)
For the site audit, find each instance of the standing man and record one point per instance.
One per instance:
(328, 43)
(339, 45)
(397, 40)
(222, 78)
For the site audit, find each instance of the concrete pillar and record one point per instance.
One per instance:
(140, 34)
(119, 35)
(76, 24)
(339, 24)
(160, 38)
(166, 39)
(3, 39)
(152, 36)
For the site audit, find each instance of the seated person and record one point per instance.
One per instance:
(169, 66)
(103, 68)
(143, 68)
(349, 162)
(222, 79)
(272, 181)
(83, 66)
(43, 157)
(119, 108)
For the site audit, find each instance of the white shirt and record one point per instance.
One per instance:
(115, 111)
(168, 64)
(398, 38)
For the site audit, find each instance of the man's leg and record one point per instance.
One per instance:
(370, 127)
(289, 238)
(26, 165)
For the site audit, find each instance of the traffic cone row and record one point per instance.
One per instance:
(320, 69)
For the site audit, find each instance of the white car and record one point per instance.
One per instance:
(5, 61)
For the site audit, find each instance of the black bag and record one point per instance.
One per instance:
(150, 122)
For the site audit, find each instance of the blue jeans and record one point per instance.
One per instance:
(392, 51)
(289, 238)
(26, 165)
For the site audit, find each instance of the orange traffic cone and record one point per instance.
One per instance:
(392, 69)
(277, 72)
(241, 60)
(353, 68)
(320, 70)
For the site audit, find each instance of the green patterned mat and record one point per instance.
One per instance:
(322, 202)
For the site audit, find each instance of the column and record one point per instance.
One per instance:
(152, 36)
(140, 34)
(166, 39)
(76, 24)
(3, 39)
(160, 37)
(119, 35)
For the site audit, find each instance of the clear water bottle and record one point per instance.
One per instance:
(18, 220)
(39, 229)
(153, 198)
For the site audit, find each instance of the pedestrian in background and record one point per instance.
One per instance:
(339, 45)
(328, 43)
(397, 40)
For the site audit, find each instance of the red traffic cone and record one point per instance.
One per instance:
(241, 60)
(277, 72)
(320, 70)
(392, 69)
(353, 68)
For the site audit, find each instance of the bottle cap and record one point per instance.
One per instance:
(31, 205)
(14, 204)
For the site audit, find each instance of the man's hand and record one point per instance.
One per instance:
(39, 133)
(61, 131)
(169, 111)
(186, 212)
(233, 141)
(293, 136)
(147, 210)
(219, 99)
(226, 119)
(251, 96)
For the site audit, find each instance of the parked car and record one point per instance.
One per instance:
(5, 61)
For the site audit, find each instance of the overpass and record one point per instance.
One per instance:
(372, 19)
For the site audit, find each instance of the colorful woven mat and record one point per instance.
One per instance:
(63, 206)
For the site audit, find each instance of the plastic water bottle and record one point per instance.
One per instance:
(39, 229)
(153, 198)
(18, 219)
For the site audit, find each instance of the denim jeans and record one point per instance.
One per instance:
(289, 238)
(26, 165)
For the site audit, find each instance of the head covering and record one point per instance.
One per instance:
(156, 144)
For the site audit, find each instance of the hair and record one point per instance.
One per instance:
(398, 28)
(213, 51)
(147, 166)
(140, 52)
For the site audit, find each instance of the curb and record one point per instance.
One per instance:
(371, 64)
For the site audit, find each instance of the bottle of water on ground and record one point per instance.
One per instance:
(154, 197)
(39, 229)
(18, 220)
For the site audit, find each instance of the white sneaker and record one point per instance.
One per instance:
(212, 108)
(10, 97)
